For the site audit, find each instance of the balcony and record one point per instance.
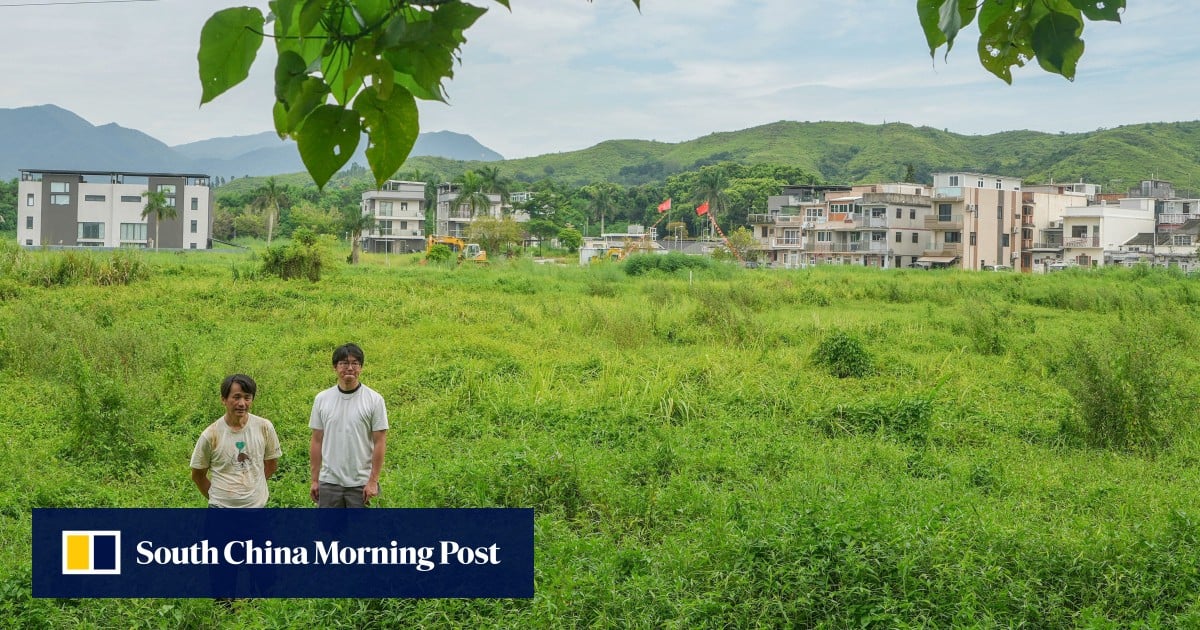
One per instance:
(944, 222)
(787, 243)
(1047, 246)
(948, 249)
(1085, 241)
(948, 193)
(1027, 219)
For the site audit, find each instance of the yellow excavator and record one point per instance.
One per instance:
(462, 249)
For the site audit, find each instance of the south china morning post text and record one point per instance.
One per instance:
(289, 552)
(250, 552)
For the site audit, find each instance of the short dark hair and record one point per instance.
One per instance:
(345, 351)
(245, 382)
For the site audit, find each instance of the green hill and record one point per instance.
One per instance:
(853, 153)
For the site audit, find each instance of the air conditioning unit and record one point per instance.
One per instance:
(972, 208)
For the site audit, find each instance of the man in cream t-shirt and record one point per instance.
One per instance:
(238, 452)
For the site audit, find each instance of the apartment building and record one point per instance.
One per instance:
(976, 220)
(1042, 208)
(399, 211)
(1093, 235)
(104, 209)
(780, 230)
(454, 220)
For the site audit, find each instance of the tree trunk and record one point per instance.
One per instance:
(354, 248)
(270, 225)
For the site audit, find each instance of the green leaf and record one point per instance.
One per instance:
(309, 97)
(1106, 10)
(392, 127)
(290, 72)
(279, 117)
(993, 10)
(1005, 44)
(311, 13)
(326, 141)
(229, 42)
(941, 20)
(1057, 44)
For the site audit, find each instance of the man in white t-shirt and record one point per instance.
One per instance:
(238, 452)
(349, 436)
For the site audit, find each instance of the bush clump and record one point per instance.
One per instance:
(843, 355)
(304, 257)
(439, 253)
(640, 264)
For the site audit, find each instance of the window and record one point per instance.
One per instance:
(839, 207)
(954, 180)
(899, 237)
(404, 225)
(999, 184)
(1078, 231)
(403, 206)
(60, 200)
(953, 237)
(131, 199)
(194, 226)
(133, 232)
(167, 189)
(91, 231)
(943, 212)
(195, 203)
(29, 199)
(824, 237)
(60, 187)
(1182, 239)
(29, 241)
(93, 197)
(914, 238)
(878, 213)
(385, 209)
(385, 228)
(980, 184)
(192, 246)
(878, 236)
(972, 238)
(28, 223)
(912, 213)
(1003, 240)
(855, 237)
(899, 213)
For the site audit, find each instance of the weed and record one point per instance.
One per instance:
(843, 355)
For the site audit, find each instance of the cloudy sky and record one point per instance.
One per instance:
(561, 75)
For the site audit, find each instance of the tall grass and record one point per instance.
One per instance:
(689, 463)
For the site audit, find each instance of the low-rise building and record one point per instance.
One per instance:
(399, 211)
(452, 220)
(104, 209)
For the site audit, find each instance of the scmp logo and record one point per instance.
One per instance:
(91, 553)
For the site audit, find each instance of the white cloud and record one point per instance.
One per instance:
(557, 75)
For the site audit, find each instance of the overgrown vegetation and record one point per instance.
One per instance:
(690, 464)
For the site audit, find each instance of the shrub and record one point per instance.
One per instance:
(304, 257)
(103, 429)
(1123, 390)
(843, 355)
(640, 264)
(439, 253)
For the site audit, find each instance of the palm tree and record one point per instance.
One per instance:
(471, 193)
(495, 183)
(270, 196)
(710, 188)
(156, 204)
(355, 221)
(602, 199)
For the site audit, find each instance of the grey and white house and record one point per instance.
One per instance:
(104, 209)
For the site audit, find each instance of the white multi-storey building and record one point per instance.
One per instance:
(104, 209)
(453, 221)
(399, 211)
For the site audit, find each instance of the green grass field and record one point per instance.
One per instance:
(1014, 451)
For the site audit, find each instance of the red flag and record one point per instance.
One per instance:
(664, 206)
(702, 208)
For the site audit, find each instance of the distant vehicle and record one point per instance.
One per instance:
(462, 249)
(1058, 266)
(997, 268)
